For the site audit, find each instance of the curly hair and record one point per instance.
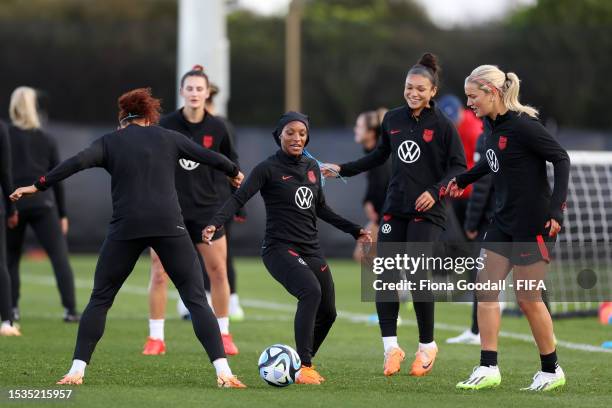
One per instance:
(139, 103)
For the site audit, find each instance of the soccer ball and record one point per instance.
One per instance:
(279, 365)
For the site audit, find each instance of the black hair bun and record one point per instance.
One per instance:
(430, 61)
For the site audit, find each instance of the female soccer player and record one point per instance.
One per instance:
(33, 153)
(426, 152)
(367, 133)
(7, 213)
(201, 191)
(141, 160)
(527, 217)
(290, 185)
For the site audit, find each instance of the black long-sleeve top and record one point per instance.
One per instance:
(201, 189)
(142, 165)
(7, 207)
(293, 196)
(426, 152)
(34, 152)
(481, 204)
(516, 154)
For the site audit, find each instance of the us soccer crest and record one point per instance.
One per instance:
(428, 135)
(207, 141)
(312, 177)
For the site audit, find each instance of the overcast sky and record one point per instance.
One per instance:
(444, 13)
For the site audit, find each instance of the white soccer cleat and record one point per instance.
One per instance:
(467, 337)
(543, 381)
(482, 377)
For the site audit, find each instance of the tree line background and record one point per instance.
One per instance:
(83, 54)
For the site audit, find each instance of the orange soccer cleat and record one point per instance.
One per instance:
(227, 381)
(423, 362)
(393, 360)
(228, 345)
(308, 375)
(154, 347)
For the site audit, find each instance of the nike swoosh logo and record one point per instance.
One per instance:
(395, 131)
(287, 177)
(323, 268)
(425, 367)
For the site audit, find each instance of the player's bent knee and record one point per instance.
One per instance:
(529, 306)
(312, 293)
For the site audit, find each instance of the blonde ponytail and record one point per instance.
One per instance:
(511, 96)
(491, 79)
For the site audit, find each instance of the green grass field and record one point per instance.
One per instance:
(350, 359)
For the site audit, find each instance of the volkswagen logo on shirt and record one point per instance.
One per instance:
(492, 159)
(303, 198)
(409, 151)
(188, 164)
(386, 228)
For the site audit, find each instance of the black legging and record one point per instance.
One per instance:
(231, 272)
(5, 280)
(46, 225)
(115, 263)
(406, 230)
(306, 276)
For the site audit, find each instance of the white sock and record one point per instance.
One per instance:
(234, 302)
(424, 346)
(221, 367)
(78, 366)
(389, 343)
(6, 323)
(156, 329)
(223, 324)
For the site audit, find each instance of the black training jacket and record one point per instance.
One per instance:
(33, 153)
(142, 165)
(516, 153)
(293, 196)
(201, 189)
(425, 151)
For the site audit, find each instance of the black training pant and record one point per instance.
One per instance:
(115, 263)
(406, 230)
(46, 225)
(305, 275)
(5, 280)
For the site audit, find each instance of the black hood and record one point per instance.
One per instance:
(287, 118)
